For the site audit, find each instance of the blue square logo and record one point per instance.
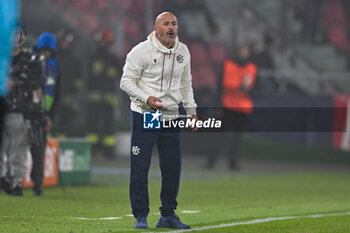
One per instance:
(151, 120)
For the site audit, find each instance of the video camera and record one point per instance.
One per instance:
(27, 74)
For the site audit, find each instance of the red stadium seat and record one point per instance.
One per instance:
(338, 37)
(132, 29)
(204, 77)
(217, 54)
(101, 5)
(199, 54)
(334, 13)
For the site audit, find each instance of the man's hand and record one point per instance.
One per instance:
(195, 128)
(152, 103)
(48, 124)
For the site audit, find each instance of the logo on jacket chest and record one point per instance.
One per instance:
(180, 58)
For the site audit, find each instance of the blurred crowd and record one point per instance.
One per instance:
(325, 21)
(319, 22)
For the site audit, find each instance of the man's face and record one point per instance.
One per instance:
(243, 52)
(166, 29)
(47, 52)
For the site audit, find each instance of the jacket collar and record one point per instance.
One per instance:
(156, 43)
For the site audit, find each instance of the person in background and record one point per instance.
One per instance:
(46, 46)
(102, 98)
(68, 120)
(25, 97)
(157, 76)
(238, 79)
(9, 10)
(265, 82)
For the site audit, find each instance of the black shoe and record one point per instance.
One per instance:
(141, 223)
(172, 221)
(17, 191)
(38, 191)
(6, 185)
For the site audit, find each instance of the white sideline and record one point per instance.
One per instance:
(261, 220)
(107, 218)
(190, 211)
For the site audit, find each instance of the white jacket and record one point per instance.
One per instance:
(151, 69)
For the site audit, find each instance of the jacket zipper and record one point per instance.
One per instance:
(161, 81)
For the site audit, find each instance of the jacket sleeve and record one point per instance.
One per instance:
(131, 74)
(186, 89)
(51, 85)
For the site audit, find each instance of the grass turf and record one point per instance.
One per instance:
(235, 199)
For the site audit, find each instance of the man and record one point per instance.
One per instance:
(104, 71)
(46, 46)
(24, 97)
(157, 76)
(68, 121)
(238, 79)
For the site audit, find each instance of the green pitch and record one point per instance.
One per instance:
(234, 199)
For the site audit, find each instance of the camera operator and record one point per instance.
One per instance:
(45, 46)
(24, 99)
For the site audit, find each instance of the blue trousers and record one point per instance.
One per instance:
(170, 153)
